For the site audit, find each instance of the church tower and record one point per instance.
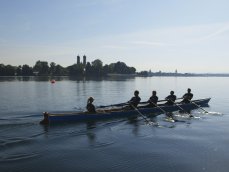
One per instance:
(78, 59)
(84, 60)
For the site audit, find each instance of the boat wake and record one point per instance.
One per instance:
(215, 113)
(212, 113)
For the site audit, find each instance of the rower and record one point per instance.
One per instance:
(171, 98)
(153, 99)
(187, 97)
(134, 101)
(90, 107)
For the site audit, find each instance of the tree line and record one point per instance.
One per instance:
(43, 68)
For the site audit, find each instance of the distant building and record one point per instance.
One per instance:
(78, 59)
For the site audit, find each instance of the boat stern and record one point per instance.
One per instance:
(46, 118)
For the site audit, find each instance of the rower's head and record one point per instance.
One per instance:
(171, 92)
(136, 93)
(90, 99)
(154, 93)
(189, 90)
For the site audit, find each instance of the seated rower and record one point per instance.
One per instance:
(90, 107)
(187, 97)
(171, 98)
(134, 101)
(153, 99)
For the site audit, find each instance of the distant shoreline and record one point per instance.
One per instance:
(130, 75)
(91, 69)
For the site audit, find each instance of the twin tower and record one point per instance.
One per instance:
(84, 60)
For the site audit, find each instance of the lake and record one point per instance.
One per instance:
(190, 144)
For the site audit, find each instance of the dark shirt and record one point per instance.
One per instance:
(91, 108)
(187, 97)
(170, 99)
(153, 101)
(134, 101)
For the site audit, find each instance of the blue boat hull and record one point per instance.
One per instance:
(84, 116)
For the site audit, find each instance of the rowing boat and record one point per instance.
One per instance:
(120, 112)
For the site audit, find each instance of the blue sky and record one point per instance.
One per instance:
(190, 36)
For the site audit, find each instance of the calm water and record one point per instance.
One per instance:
(199, 144)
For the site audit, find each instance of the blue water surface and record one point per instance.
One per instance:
(189, 144)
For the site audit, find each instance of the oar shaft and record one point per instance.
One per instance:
(143, 116)
(139, 112)
(181, 108)
(157, 101)
(199, 106)
(158, 107)
(122, 104)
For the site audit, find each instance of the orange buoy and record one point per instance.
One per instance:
(53, 81)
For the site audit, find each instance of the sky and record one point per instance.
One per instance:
(159, 35)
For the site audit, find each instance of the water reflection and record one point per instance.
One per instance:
(135, 123)
(90, 133)
(62, 78)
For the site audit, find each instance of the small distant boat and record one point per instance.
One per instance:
(119, 113)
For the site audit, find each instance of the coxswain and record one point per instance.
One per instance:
(90, 107)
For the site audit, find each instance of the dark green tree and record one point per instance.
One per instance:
(41, 67)
(106, 69)
(52, 68)
(97, 67)
(26, 70)
(88, 69)
(60, 71)
(18, 70)
(2, 70)
(121, 68)
(10, 70)
(132, 70)
(76, 70)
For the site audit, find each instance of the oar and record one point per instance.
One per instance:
(120, 104)
(158, 107)
(166, 113)
(126, 103)
(199, 106)
(149, 122)
(182, 109)
(157, 101)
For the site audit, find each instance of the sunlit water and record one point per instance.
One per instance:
(196, 144)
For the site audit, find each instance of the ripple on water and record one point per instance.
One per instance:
(102, 145)
(14, 142)
(17, 157)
